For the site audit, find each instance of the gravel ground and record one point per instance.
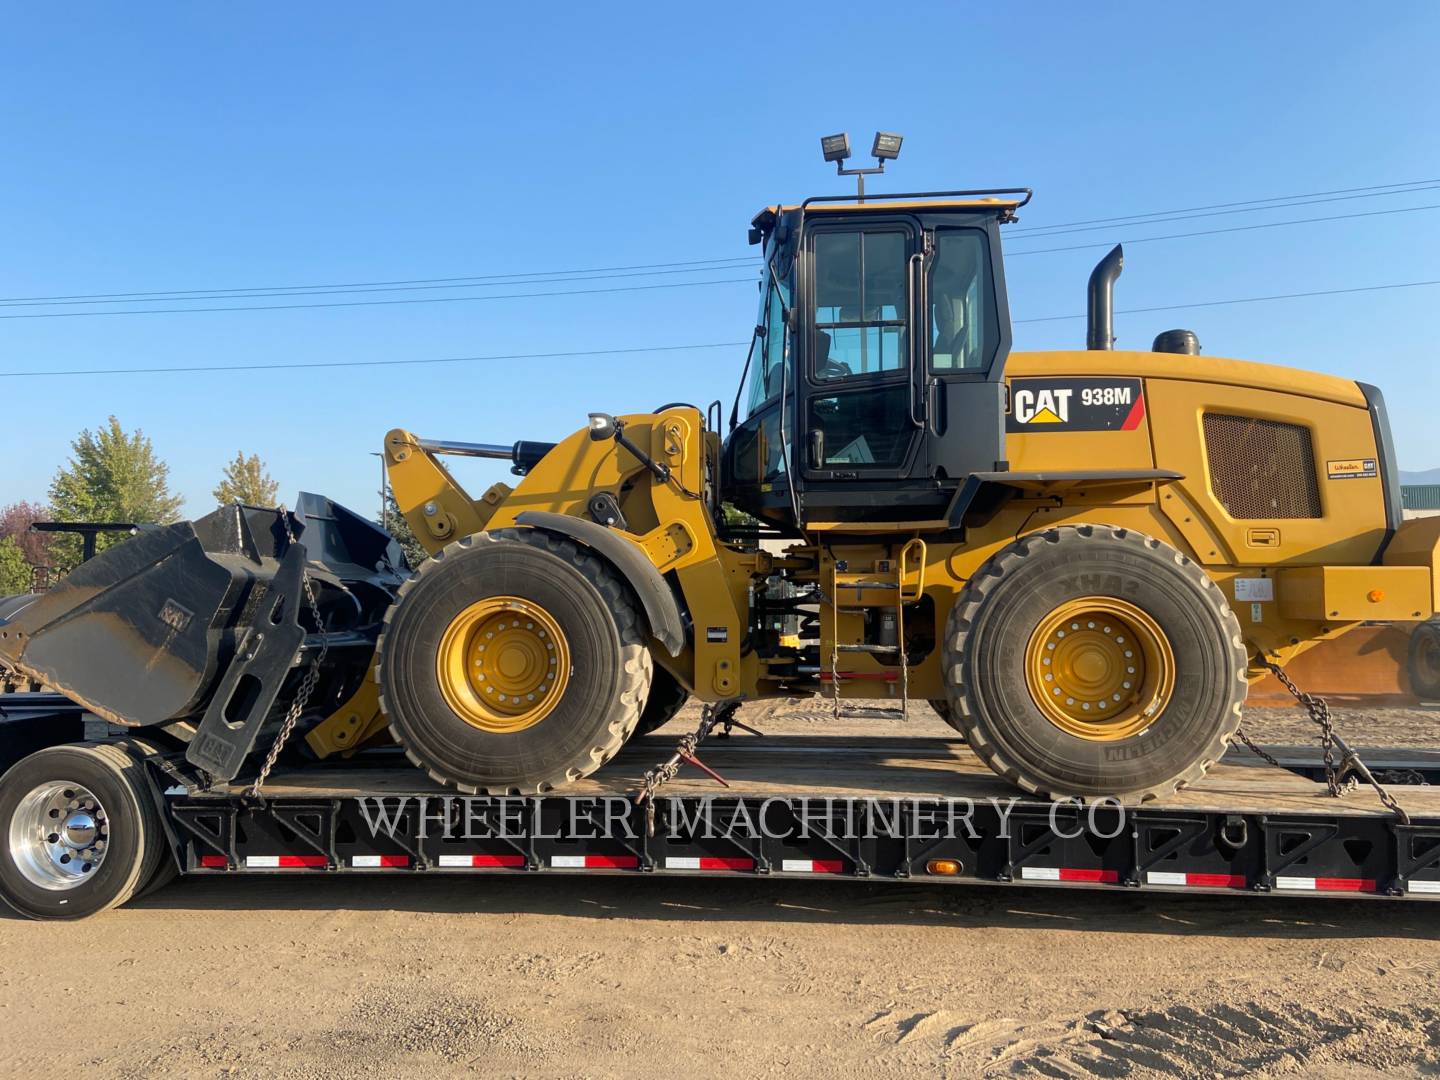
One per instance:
(335, 977)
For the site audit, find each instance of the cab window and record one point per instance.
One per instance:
(963, 324)
(773, 351)
(861, 304)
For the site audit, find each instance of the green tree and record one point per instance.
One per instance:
(15, 574)
(111, 476)
(246, 481)
(396, 525)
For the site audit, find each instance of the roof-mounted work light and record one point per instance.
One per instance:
(887, 146)
(836, 148)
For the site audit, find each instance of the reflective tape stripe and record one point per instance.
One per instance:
(214, 862)
(380, 862)
(594, 862)
(1326, 884)
(1423, 887)
(285, 862)
(1198, 881)
(812, 866)
(1066, 873)
(483, 862)
(707, 862)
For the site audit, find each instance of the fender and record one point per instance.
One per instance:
(658, 599)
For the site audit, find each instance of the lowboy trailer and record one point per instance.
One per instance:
(882, 808)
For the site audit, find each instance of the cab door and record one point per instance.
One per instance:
(967, 340)
(857, 406)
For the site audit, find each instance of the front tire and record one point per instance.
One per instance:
(1095, 661)
(943, 710)
(81, 831)
(667, 697)
(513, 662)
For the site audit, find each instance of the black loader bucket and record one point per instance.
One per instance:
(204, 628)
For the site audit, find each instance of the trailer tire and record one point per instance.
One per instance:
(37, 876)
(667, 697)
(569, 605)
(1423, 661)
(1149, 634)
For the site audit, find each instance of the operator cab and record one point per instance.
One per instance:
(875, 383)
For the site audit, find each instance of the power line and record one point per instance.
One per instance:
(174, 294)
(372, 303)
(1057, 231)
(352, 290)
(1217, 232)
(378, 363)
(1276, 202)
(1243, 206)
(663, 348)
(1245, 300)
(316, 290)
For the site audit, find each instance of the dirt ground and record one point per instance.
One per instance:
(337, 977)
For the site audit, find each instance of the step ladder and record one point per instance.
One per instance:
(894, 583)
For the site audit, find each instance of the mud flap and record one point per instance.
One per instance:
(251, 683)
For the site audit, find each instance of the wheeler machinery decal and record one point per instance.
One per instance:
(1352, 469)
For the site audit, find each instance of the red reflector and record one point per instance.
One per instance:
(715, 862)
(611, 862)
(214, 862)
(1345, 884)
(1216, 881)
(497, 860)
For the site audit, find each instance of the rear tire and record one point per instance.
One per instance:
(1423, 661)
(564, 726)
(55, 806)
(1163, 726)
(667, 697)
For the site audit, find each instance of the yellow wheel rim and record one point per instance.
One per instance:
(503, 664)
(1100, 668)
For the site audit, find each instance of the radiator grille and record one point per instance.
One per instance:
(1261, 468)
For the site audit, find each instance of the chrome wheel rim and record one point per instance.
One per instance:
(59, 834)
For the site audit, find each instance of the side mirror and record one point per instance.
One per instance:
(603, 426)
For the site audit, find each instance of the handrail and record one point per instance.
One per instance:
(1029, 194)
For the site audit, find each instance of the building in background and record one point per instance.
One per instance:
(1420, 500)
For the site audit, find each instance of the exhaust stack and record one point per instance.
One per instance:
(1100, 332)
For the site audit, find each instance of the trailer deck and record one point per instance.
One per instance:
(875, 808)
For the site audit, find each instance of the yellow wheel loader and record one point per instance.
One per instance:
(1083, 557)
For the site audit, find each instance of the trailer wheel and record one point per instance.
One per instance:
(1423, 662)
(513, 661)
(81, 832)
(1091, 660)
(667, 697)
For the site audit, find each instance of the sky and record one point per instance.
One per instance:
(164, 147)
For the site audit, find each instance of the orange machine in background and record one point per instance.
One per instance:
(1380, 664)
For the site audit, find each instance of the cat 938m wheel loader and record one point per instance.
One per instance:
(1082, 558)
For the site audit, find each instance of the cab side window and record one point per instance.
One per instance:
(861, 304)
(963, 324)
(772, 353)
